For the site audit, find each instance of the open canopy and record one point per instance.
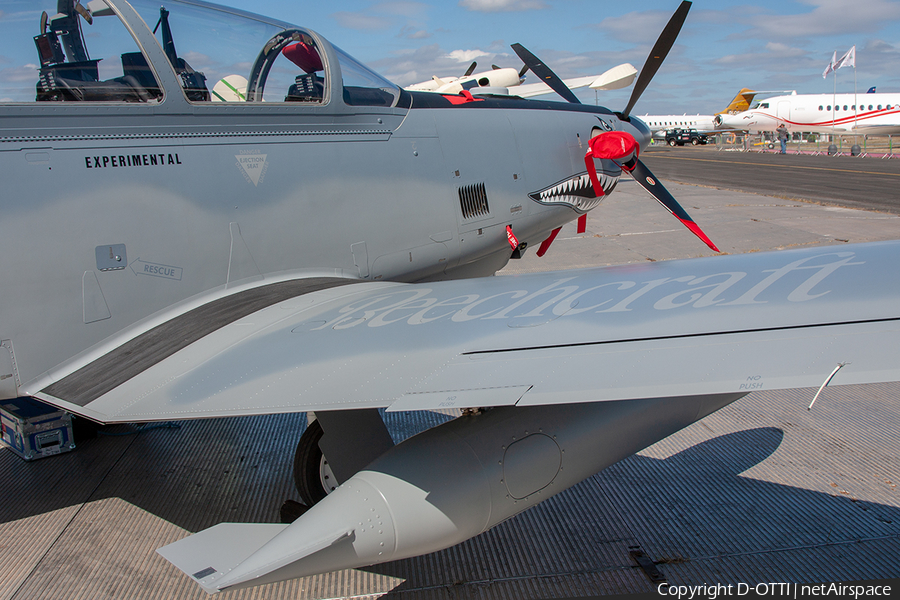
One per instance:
(101, 51)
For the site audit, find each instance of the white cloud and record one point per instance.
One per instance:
(405, 14)
(412, 66)
(418, 35)
(402, 8)
(465, 56)
(780, 50)
(827, 17)
(359, 21)
(635, 27)
(502, 5)
(25, 73)
(412, 32)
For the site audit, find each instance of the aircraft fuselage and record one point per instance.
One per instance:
(869, 114)
(150, 208)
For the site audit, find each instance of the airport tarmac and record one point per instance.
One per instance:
(761, 491)
(868, 183)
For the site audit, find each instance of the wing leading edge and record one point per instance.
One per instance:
(717, 325)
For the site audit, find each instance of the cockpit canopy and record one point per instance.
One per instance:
(103, 51)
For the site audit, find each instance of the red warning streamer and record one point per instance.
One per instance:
(510, 236)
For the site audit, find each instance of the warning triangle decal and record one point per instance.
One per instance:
(253, 166)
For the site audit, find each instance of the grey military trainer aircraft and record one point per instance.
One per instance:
(209, 213)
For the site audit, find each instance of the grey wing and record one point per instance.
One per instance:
(700, 326)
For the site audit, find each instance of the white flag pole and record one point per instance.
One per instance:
(856, 114)
(833, 97)
(849, 59)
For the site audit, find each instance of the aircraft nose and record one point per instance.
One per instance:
(727, 121)
(641, 132)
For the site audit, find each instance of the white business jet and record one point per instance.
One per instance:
(865, 114)
(660, 124)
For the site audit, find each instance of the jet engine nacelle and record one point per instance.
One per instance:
(439, 488)
(497, 78)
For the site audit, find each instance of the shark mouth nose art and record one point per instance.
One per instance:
(576, 191)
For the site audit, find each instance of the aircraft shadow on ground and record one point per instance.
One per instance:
(693, 505)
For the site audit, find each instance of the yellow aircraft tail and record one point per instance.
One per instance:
(740, 103)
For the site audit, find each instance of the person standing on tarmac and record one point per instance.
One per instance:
(782, 137)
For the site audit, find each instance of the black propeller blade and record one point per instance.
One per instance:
(646, 180)
(635, 167)
(657, 55)
(622, 148)
(471, 69)
(545, 73)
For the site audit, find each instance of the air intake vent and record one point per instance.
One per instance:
(473, 201)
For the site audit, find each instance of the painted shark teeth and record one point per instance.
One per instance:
(577, 191)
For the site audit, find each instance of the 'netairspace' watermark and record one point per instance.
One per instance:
(792, 590)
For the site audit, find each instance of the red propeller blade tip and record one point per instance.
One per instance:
(699, 233)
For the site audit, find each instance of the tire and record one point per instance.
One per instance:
(312, 476)
(694, 142)
(672, 142)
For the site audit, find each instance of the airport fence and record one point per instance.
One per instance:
(808, 143)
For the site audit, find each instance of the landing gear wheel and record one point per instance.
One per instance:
(312, 475)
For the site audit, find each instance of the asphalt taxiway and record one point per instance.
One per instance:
(761, 491)
(867, 183)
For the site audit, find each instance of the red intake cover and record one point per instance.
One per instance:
(303, 56)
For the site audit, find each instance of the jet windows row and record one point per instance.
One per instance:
(86, 53)
(853, 107)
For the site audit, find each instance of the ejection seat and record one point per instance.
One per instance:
(78, 79)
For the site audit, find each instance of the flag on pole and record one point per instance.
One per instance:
(831, 66)
(848, 59)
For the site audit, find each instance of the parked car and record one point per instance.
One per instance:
(680, 137)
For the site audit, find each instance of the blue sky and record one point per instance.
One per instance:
(725, 45)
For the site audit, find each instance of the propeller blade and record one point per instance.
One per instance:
(471, 69)
(657, 55)
(545, 73)
(545, 245)
(646, 180)
(495, 67)
(522, 71)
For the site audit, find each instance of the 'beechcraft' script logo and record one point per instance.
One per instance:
(252, 163)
